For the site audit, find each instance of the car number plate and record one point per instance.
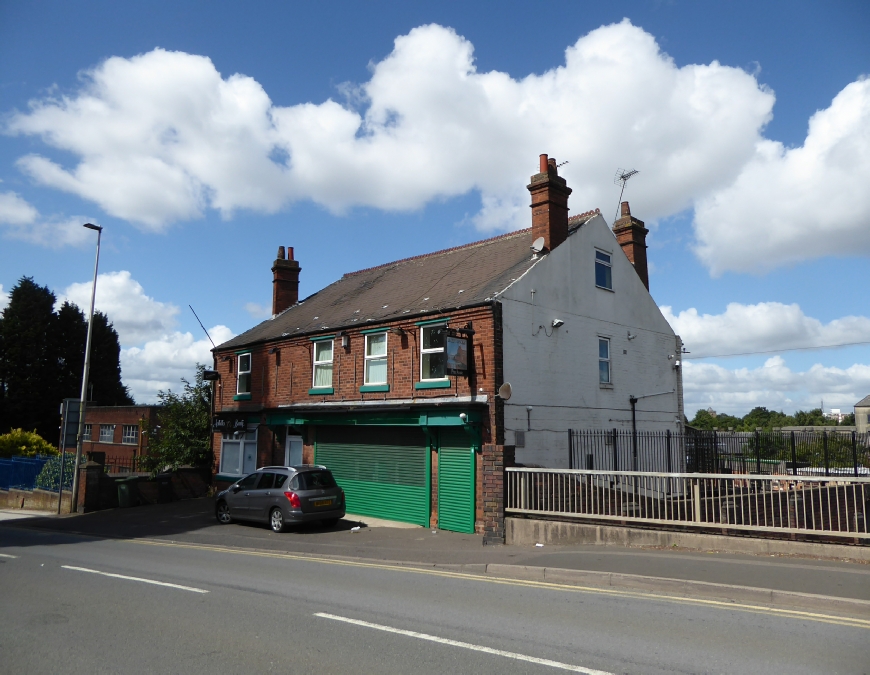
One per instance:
(322, 502)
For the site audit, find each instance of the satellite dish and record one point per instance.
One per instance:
(538, 245)
(504, 391)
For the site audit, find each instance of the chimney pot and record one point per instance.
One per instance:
(549, 204)
(285, 281)
(625, 211)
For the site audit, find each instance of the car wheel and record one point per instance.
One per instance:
(223, 513)
(276, 520)
(330, 522)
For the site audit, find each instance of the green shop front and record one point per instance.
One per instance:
(403, 463)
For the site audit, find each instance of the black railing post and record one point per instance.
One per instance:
(570, 449)
(633, 401)
(855, 453)
(668, 444)
(793, 456)
(757, 452)
(825, 449)
(615, 452)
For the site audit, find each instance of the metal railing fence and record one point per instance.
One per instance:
(823, 453)
(125, 465)
(763, 503)
(20, 472)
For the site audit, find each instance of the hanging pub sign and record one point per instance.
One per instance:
(228, 424)
(457, 354)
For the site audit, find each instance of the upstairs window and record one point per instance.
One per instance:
(107, 433)
(86, 432)
(603, 277)
(432, 355)
(603, 361)
(130, 434)
(376, 359)
(244, 376)
(322, 364)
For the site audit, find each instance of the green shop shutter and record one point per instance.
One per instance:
(384, 471)
(455, 481)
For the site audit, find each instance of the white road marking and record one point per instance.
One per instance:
(144, 581)
(5, 555)
(465, 645)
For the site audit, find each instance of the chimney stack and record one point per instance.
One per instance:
(285, 281)
(631, 236)
(549, 204)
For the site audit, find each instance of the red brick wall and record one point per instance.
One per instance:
(119, 416)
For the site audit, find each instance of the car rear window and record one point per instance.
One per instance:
(316, 480)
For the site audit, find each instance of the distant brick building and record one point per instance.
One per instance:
(119, 431)
(392, 375)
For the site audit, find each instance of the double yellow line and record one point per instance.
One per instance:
(718, 604)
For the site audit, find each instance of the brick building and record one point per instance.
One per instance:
(392, 376)
(121, 432)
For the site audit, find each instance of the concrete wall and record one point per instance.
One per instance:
(555, 370)
(862, 419)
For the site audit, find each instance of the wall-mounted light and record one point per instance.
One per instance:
(463, 417)
(396, 330)
(557, 323)
(345, 338)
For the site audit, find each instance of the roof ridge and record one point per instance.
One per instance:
(434, 253)
(575, 219)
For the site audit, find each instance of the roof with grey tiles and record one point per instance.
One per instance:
(863, 403)
(414, 287)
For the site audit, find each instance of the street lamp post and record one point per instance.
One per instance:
(79, 440)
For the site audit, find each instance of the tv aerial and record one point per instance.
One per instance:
(621, 178)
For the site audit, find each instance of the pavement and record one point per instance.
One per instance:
(838, 586)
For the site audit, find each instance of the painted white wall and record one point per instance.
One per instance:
(555, 370)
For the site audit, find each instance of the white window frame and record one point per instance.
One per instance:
(435, 350)
(608, 264)
(86, 432)
(368, 358)
(322, 364)
(241, 372)
(107, 426)
(244, 439)
(130, 434)
(607, 360)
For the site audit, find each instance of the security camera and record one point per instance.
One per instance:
(557, 323)
(463, 416)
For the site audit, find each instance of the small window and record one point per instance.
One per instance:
(603, 361)
(107, 433)
(267, 480)
(244, 376)
(520, 439)
(323, 363)
(603, 277)
(279, 479)
(432, 356)
(86, 432)
(376, 359)
(130, 434)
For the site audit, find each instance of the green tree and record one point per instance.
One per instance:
(24, 443)
(812, 418)
(41, 360)
(28, 367)
(183, 432)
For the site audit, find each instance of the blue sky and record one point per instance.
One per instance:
(201, 136)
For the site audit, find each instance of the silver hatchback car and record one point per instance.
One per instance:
(281, 496)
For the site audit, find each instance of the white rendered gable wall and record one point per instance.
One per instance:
(555, 370)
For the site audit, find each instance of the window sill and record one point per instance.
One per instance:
(366, 388)
(604, 288)
(321, 391)
(242, 397)
(433, 384)
(602, 385)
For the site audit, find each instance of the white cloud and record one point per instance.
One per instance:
(161, 363)
(4, 298)
(21, 220)
(137, 317)
(766, 326)
(16, 211)
(773, 385)
(258, 311)
(163, 136)
(793, 204)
